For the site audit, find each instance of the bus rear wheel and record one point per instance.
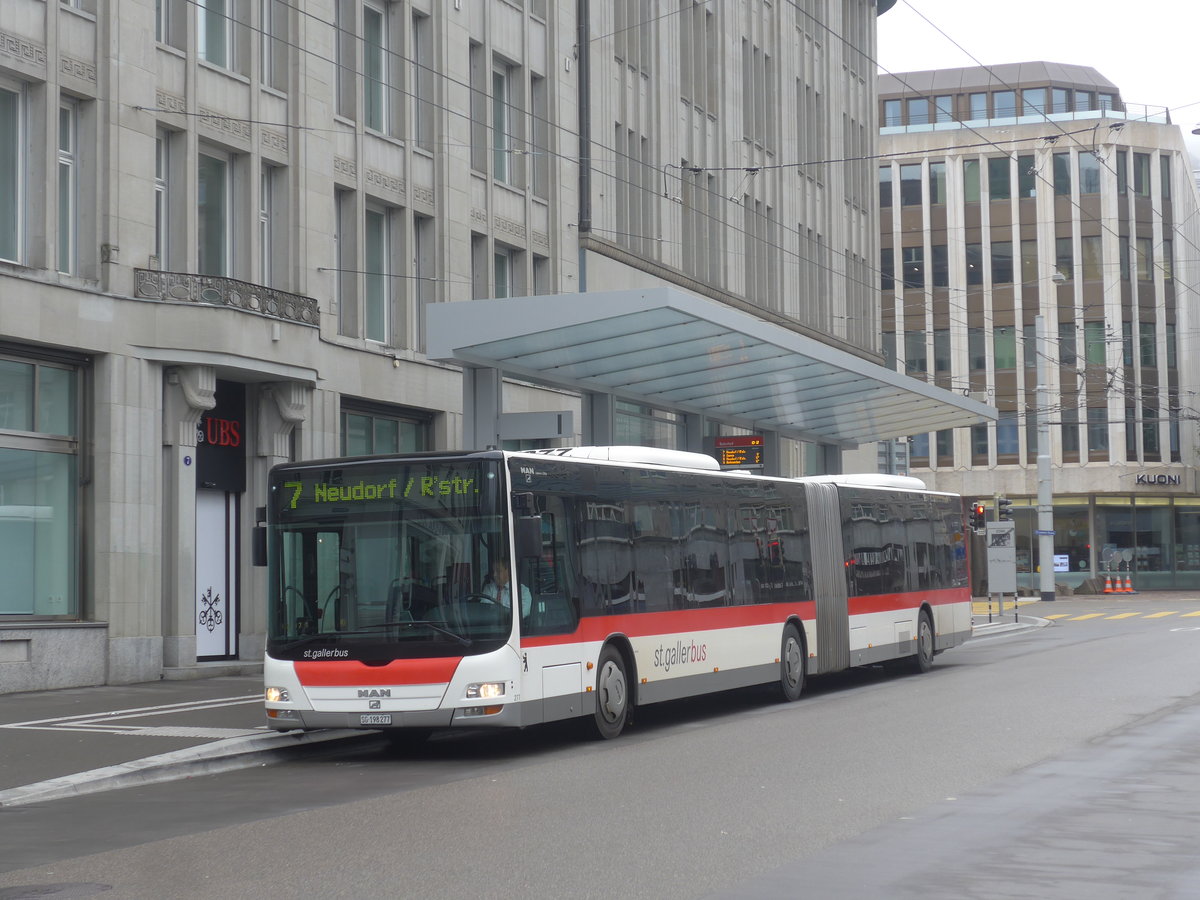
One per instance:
(922, 660)
(791, 664)
(612, 694)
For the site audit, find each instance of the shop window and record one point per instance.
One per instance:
(370, 430)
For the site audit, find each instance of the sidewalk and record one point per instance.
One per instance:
(80, 740)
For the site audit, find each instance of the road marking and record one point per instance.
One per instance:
(1086, 616)
(1058, 616)
(106, 722)
(1124, 615)
(1189, 615)
(1161, 615)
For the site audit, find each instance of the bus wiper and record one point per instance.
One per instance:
(440, 629)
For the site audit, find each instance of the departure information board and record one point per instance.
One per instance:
(741, 451)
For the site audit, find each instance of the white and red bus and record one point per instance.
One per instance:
(642, 575)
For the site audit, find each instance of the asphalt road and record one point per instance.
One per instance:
(1057, 763)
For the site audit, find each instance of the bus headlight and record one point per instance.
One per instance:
(278, 695)
(486, 690)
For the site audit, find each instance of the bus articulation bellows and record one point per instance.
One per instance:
(637, 576)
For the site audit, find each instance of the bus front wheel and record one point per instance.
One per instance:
(612, 694)
(791, 664)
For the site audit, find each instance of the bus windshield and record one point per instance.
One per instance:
(377, 560)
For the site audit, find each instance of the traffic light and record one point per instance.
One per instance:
(1004, 511)
(978, 517)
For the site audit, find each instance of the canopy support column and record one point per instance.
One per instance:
(483, 401)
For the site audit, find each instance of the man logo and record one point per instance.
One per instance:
(374, 692)
(374, 704)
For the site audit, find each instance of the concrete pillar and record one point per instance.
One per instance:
(483, 402)
(599, 420)
(693, 432)
(189, 391)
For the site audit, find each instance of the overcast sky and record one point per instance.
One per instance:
(1149, 49)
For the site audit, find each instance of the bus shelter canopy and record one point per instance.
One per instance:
(675, 350)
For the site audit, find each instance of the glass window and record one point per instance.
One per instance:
(1029, 262)
(940, 265)
(1095, 338)
(1002, 262)
(1187, 534)
(1123, 250)
(918, 446)
(1067, 346)
(999, 185)
(977, 349)
(645, 426)
(1030, 349)
(1093, 269)
(915, 359)
(1127, 343)
(1097, 429)
(1147, 345)
(1108, 101)
(945, 446)
(910, 185)
(892, 113)
(941, 350)
(1060, 100)
(1151, 446)
(943, 108)
(375, 68)
(1084, 100)
(1004, 103)
(1034, 100)
(214, 29)
(1122, 169)
(213, 214)
(162, 197)
(12, 182)
(504, 270)
(885, 186)
(1007, 435)
(914, 266)
(979, 106)
(373, 433)
(1026, 177)
(937, 183)
(38, 533)
(918, 111)
(68, 184)
(1064, 257)
(1165, 167)
(1004, 346)
(1089, 173)
(1141, 174)
(376, 278)
(1062, 174)
(974, 264)
(266, 222)
(888, 349)
(887, 269)
(1168, 251)
(979, 443)
(1145, 259)
(971, 180)
(1070, 429)
(501, 130)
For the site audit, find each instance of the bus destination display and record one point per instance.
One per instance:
(742, 451)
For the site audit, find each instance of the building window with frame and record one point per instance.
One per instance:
(1122, 172)
(1005, 104)
(162, 198)
(974, 264)
(915, 359)
(945, 447)
(1007, 435)
(1004, 347)
(12, 173)
(1033, 101)
(971, 180)
(1165, 170)
(502, 124)
(1060, 100)
(976, 349)
(1089, 173)
(887, 269)
(1084, 101)
(979, 107)
(918, 111)
(214, 208)
(1092, 259)
(885, 186)
(1064, 257)
(377, 291)
(1027, 177)
(1097, 431)
(1061, 164)
(1141, 174)
(979, 444)
(273, 16)
(376, 68)
(345, 59)
(1147, 344)
(943, 108)
(1067, 344)
(68, 185)
(1095, 343)
(504, 264)
(1070, 431)
(424, 80)
(38, 479)
(639, 425)
(937, 183)
(940, 265)
(1029, 262)
(1002, 262)
(270, 184)
(1144, 257)
(999, 178)
(941, 350)
(370, 430)
(214, 32)
(892, 114)
(914, 266)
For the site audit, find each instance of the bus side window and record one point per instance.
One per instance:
(553, 608)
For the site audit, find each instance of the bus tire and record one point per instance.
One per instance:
(922, 660)
(612, 694)
(791, 664)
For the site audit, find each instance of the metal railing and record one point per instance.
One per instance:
(214, 290)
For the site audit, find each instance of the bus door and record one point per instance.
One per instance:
(829, 580)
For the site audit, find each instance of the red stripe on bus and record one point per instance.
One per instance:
(597, 628)
(876, 603)
(351, 672)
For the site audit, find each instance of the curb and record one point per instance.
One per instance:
(207, 759)
(995, 629)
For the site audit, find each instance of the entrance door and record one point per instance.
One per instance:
(216, 575)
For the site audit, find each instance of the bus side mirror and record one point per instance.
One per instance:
(529, 537)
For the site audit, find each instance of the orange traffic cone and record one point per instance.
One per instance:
(1108, 588)
(1129, 585)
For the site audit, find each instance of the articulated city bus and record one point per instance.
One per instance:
(637, 576)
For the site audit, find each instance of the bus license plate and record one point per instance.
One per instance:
(375, 719)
